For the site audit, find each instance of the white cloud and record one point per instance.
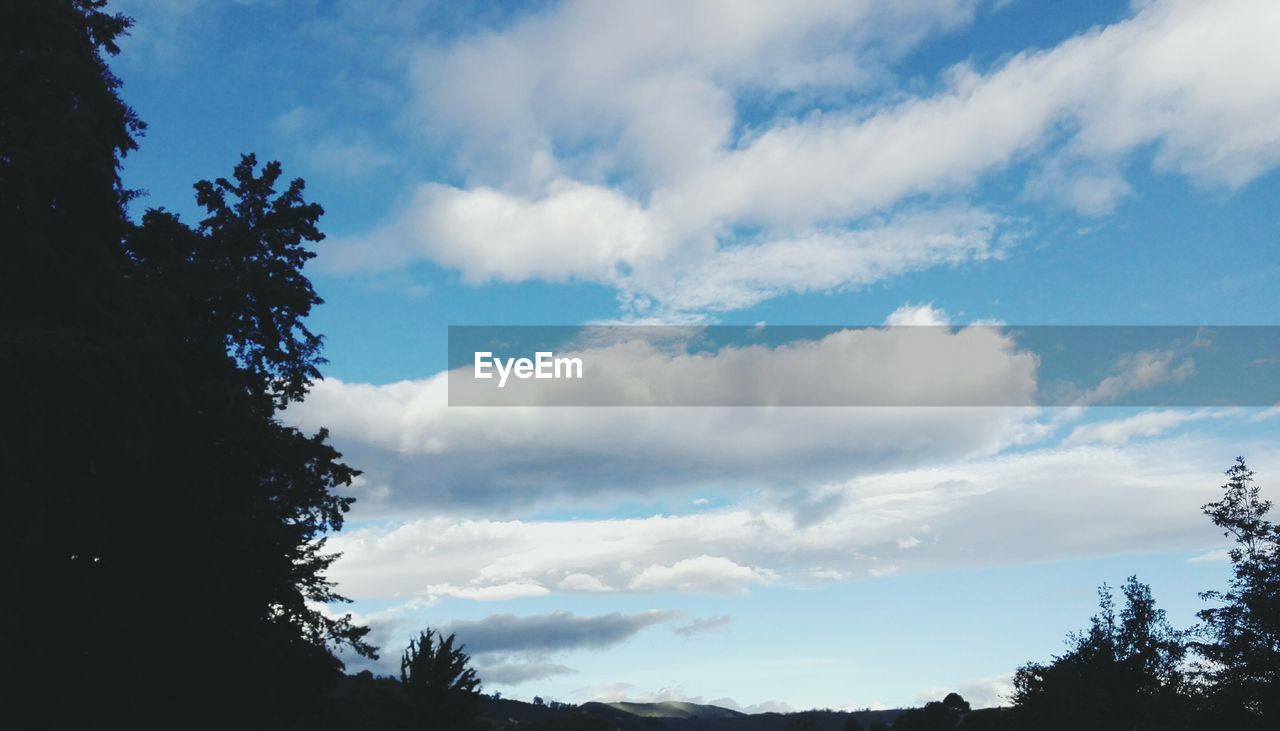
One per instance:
(421, 452)
(583, 583)
(1067, 503)
(982, 693)
(649, 87)
(1145, 424)
(1216, 556)
(575, 231)
(487, 592)
(917, 315)
(605, 146)
(737, 277)
(1140, 371)
(714, 574)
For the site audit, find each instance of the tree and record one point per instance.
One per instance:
(166, 530)
(956, 702)
(63, 130)
(1242, 654)
(72, 359)
(442, 690)
(233, 293)
(227, 301)
(944, 715)
(1124, 672)
(989, 719)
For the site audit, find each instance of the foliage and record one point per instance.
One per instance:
(988, 719)
(944, 715)
(168, 540)
(442, 690)
(1242, 655)
(63, 129)
(1124, 672)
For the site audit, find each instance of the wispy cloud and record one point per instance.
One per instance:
(704, 625)
(635, 170)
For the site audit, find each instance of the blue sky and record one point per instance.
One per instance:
(848, 163)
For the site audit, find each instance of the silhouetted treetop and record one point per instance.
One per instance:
(442, 688)
(262, 297)
(62, 134)
(167, 530)
(1243, 631)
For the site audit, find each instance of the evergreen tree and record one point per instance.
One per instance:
(443, 691)
(164, 542)
(1123, 673)
(1242, 654)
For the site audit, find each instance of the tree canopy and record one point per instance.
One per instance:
(1241, 633)
(1123, 672)
(442, 689)
(166, 531)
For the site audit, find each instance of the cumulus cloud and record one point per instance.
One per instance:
(933, 366)
(1067, 502)
(925, 315)
(419, 452)
(583, 583)
(714, 574)
(649, 85)
(636, 170)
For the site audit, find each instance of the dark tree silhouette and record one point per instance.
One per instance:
(989, 719)
(442, 689)
(1124, 672)
(944, 715)
(63, 129)
(956, 702)
(165, 530)
(1242, 654)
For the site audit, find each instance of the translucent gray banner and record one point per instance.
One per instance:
(976, 365)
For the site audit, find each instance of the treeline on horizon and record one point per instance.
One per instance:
(163, 558)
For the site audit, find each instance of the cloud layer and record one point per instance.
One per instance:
(1041, 505)
(640, 169)
(420, 452)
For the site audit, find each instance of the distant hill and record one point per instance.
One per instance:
(676, 716)
(667, 709)
(369, 702)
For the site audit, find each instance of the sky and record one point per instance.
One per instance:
(720, 163)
